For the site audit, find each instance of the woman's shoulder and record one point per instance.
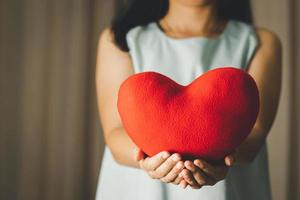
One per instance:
(240, 29)
(267, 36)
(141, 31)
(261, 34)
(142, 36)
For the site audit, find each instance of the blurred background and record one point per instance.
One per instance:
(50, 136)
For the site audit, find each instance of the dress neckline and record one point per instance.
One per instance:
(193, 38)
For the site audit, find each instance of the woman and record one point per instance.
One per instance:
(182, 39)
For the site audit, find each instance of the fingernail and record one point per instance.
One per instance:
(175, 158)
(200, 164)
(182, 185)
(189, 163)
(165, 155)
(229, 161)
(179, 165)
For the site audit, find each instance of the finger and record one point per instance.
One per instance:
(177, 180)
(189, 178)
(167, 166)
(173, 174)
(183, 183)
(151, 163)
(199, 176)
(229, 160)
(215, 172)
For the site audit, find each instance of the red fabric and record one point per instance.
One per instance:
(206, 119)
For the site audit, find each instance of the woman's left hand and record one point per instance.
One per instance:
(199, 172)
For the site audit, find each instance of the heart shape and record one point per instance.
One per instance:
(207, 119)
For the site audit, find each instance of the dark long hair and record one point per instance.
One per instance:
(131, 13)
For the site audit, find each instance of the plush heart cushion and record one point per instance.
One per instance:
(207, 119)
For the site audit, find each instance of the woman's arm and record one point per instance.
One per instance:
(113, 67)
(265, 68)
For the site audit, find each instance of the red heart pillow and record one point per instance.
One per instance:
(207, 119)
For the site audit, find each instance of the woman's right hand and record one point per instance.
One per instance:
(163, 166)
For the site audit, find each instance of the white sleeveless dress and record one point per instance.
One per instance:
(183, 60)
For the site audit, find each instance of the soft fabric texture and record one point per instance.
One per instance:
(207, 119)
(183, 60)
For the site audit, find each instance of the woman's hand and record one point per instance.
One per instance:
(163, 166)
(199, 173)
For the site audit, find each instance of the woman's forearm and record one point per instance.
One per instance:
(121, 147)
(248, 150)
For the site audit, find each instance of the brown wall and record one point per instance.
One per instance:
(50, 138)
